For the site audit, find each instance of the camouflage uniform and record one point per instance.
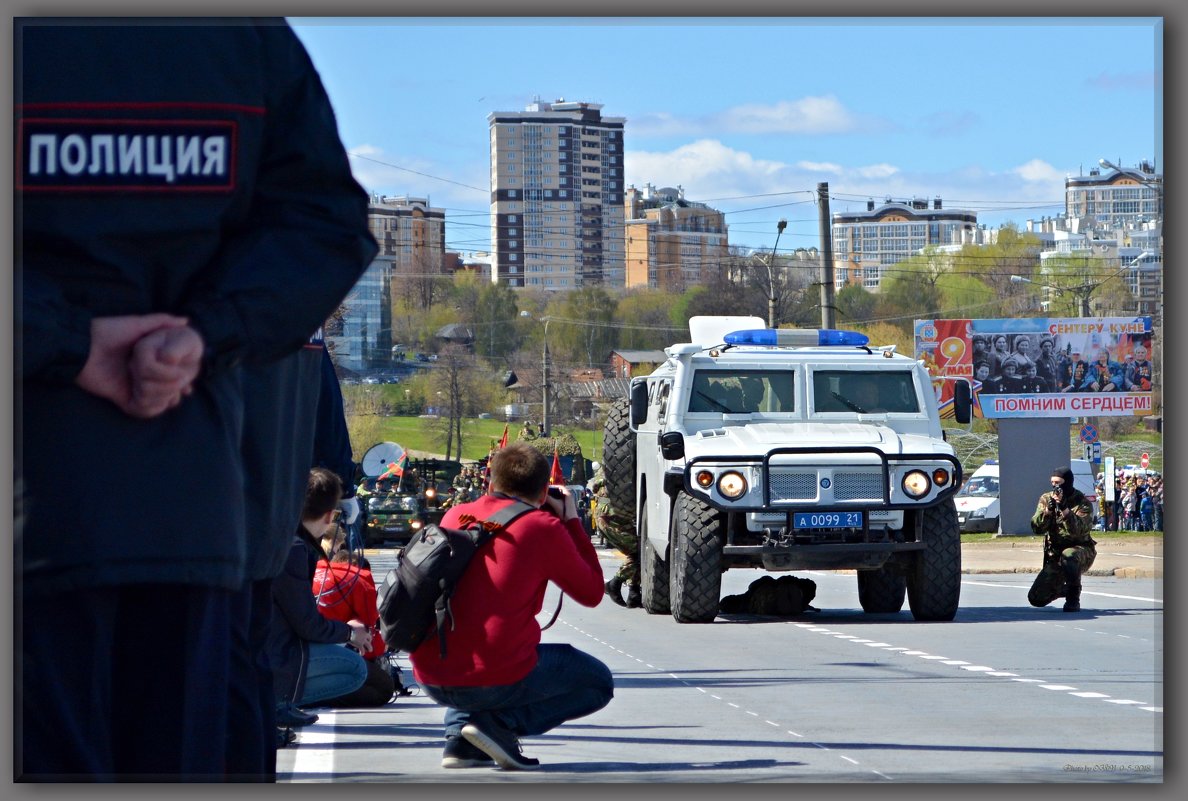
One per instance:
(1069, 551)
(619, 531)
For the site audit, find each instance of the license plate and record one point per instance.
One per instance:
(827, 520)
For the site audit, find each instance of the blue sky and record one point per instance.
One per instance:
(750, 114)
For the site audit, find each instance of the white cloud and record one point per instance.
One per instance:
(820, 166)
(1038, 170)
(879, 171)
(705, 168)
(809, 116)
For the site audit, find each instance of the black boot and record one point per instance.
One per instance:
(614, 589)
(1072, 594)
(634, 599)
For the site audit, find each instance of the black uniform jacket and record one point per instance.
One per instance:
(185, 166)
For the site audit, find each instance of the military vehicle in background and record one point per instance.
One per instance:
(786, 449)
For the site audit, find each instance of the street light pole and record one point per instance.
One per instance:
(771, 295)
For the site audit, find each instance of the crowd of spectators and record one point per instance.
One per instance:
(1137, 504)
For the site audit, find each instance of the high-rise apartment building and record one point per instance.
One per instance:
(557, 196)
(671, 243)
(408, 231)
(866, 243)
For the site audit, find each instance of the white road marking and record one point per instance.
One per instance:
(989, 671)
(309, 759)
(1084, 593)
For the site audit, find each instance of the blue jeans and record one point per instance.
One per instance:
(333, 670)
(354, 533)
(565, 684)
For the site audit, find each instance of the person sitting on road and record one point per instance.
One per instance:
(345, 590)
(307, 652)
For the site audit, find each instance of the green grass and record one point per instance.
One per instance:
(422, 434)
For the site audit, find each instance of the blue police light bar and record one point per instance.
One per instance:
(800, 337)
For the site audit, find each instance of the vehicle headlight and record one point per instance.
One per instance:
(431, 493)
(940, 476)
(704, 479)
(916, 484)
(977, 513)
(732, 485)
(416, 524)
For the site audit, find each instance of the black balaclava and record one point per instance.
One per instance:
(1066, 473)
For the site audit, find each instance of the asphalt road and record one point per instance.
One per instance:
(1004, 693)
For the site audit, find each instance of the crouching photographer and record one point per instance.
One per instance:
(1065, 517)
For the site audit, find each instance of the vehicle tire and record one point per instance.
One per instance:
(653, 574)
(934, 584)
(881, 590)
(695, 572)
(618, 458)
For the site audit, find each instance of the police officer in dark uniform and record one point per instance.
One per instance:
(1065, 517)
(185, 213)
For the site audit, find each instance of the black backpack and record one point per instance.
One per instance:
(414, 598)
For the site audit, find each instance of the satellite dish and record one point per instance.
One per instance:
(379, 456)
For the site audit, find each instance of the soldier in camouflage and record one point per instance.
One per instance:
(619, 532)
(1065, 517)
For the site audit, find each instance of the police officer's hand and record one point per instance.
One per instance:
(106, 373)
(163, 367)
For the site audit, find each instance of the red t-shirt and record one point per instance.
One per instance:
(498, 597)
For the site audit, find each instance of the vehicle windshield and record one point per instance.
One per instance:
(981, 487)
(873, 392)
(742, 391)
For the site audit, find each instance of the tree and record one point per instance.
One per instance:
(1077, 282)
(496, 321)
(587, 331)
(855, 304)
(911, 288)
(1014, 253)
(645, 321)
(887, 334)
(449, 379)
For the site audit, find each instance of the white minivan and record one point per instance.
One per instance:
(977, 502)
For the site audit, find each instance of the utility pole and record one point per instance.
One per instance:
(771, 294)
(544, 413)
(826, 276)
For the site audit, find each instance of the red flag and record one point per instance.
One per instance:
(396, 468)
(555, 475)
(503, 439)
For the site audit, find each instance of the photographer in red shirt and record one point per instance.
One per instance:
(498, 681)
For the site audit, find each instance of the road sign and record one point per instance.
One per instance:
(1088, 433)
(1146, 460)
(1096, 452)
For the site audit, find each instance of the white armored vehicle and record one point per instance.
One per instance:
(787, 449)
